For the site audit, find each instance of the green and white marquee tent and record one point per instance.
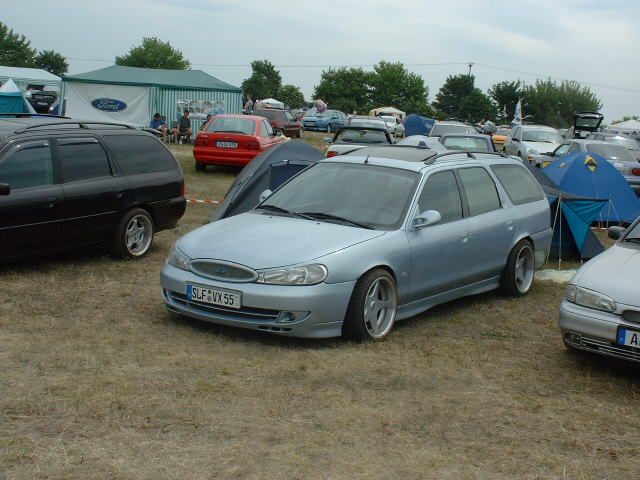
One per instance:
(132, 95)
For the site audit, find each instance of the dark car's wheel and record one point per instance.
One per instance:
(134, 234)
(200, 167)
(518, 274)
(372, 308)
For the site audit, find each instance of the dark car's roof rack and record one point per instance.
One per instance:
(81, 124)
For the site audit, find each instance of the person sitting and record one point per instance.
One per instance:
(206, 122)
(183, 129)
(158, 123)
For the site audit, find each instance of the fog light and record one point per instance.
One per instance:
(289, 317)
(572, 337)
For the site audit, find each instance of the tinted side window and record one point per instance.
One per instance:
(27, 167)
(574, 148)
(481, 192)
(441, 193)
(140, 154)
(520, 185)
(82, 160)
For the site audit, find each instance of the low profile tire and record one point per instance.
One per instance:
(134, 235)
(518, 274)
(200, 167)
(372, 309)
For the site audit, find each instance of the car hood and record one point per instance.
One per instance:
(614, 273)
(259, 240)
(542, 147)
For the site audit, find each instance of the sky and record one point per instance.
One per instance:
(593, 42)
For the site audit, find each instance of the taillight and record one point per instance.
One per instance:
(201, 141)
(331, 153)
(252, 145)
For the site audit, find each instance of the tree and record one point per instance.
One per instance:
(393, 85)
(550, 103)
(15, 50)
(345, 89)
(154, 53)
(52, 62)
(476, 107)
(451, 94)
(506, 95)
(291, 95)
(264, 82)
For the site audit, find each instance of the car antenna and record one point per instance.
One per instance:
(366, 160)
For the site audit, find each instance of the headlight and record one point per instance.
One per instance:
(305, 275)
(177, 259)
(533, 151)
(589, 298)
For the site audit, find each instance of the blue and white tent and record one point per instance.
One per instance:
(12, 99)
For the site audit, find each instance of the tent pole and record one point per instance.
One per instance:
(560, 247)
(553, 228)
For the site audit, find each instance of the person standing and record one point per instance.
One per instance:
(248, 105)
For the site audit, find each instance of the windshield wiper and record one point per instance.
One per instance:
(632, 240)
(329, 216)
(274, 208)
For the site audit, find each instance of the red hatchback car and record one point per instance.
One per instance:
(233, 140)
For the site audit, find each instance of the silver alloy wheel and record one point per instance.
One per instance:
(138, 235)
(525, 269)
(380, 307)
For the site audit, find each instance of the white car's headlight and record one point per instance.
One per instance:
(589, 298)
(533, 151)
(178, 259)
(304, 275)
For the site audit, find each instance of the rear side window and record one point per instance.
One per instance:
(27, 167)
(441, 193)
(82, 160)
(140, 154)
(520, 185)
(481, 192)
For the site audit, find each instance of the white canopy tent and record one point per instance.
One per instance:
(23, 77)
(387, 111)
(272, 103)
(625, 127)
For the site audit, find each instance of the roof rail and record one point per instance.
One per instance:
(469, 154)
(81, 124)
(25, 115)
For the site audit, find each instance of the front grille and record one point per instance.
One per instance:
(631, 316)
(259, 315)
(595, 344)
(223, 271)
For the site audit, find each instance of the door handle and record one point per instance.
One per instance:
(510, 224)
(51, 201)
(464, 236)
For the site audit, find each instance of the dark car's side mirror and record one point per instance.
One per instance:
(615, 232)
(426, 218)
(5, 189)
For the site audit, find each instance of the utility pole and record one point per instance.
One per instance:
(470, 65)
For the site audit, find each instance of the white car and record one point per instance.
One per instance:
(395, 127)
(532, 142)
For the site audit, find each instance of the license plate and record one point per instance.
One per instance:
(42, 103)
(629, 338)
(214, 296)
(227, 144)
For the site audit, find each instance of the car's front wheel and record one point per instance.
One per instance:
(134, 234)
(372, 308)
(519, 271)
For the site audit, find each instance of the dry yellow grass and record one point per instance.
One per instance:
(98, 381)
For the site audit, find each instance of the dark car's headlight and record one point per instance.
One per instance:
(589, 298)
(304, 275)
(178, 259)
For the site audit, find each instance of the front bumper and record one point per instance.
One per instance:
(596, 331)
(538, 160)
(262, 305)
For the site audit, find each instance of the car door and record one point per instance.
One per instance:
(513, 142)
(290, 124)
(492, 223)
(31, 212)
(94, 192)
(440, 253)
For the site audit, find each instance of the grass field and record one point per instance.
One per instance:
(98, 381)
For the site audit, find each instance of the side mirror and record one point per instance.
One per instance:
(615, 232)
(5, 189)
(264, 195)
(514, 139)
(429, 217)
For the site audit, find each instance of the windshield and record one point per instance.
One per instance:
(611, 152)
(361, 136)
(357, 122)
(440, 129)
(378, 197)
(587, 122)
(543, 136)
(503, 131)
(634, 233)
(232, 125)
(466, 144)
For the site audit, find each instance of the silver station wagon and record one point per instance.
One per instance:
(356, 242)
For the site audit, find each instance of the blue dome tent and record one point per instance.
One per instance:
(417, 125)
(591, 176)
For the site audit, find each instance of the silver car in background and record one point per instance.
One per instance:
(532, 142)
(356, 242)
(601, 311)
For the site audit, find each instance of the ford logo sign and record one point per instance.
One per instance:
(109, 104)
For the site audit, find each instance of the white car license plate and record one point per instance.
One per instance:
(214, 296)
(227, 144)
(629, 338)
